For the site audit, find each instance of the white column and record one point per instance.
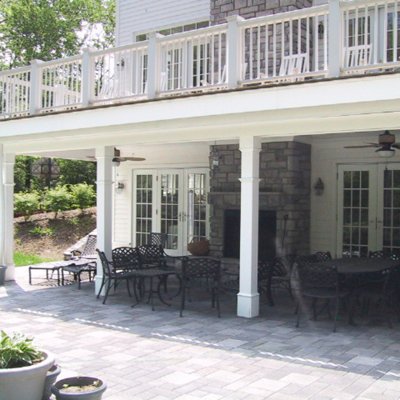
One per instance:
(234, 51)
(104, 156)
(248, 296)
(87, 77)
(36, 86)
(154, 66)
(335, 39)
(8, 215)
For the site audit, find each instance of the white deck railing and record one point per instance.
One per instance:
(342, 38)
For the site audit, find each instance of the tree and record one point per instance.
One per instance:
(50, 29)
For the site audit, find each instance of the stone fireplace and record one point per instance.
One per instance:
(285, 170)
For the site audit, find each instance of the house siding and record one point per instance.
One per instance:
(144, 16)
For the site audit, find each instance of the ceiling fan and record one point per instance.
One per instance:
(385, 147)
(117, 159)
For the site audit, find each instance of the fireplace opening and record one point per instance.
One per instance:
(266, 234)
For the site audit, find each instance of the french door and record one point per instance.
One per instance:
(368, 208)
(172, 202)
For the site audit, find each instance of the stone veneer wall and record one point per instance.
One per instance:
(285, 172)
(220, 9)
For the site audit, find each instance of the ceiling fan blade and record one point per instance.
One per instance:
(396, 145)
(362, 146)
(122, 159)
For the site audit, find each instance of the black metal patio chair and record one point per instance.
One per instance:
(112, 277)
(202, 272)
(318, 282)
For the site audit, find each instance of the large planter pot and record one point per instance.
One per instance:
(51, 378)
(79, 381)
(25, 383)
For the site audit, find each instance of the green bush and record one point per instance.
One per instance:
(42, 231)
(57, 199)
(83, 195)
(26, 204)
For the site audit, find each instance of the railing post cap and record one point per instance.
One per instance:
(35, 62)
(88, 50)
(155, 35)
(234, 18)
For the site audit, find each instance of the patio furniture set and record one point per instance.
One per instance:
(147, 268)
(82, 261)
(350, 283)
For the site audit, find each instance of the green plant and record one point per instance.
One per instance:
(57, 199)
(17, 351)
(26, 203)
(83, 195)
(42, 231)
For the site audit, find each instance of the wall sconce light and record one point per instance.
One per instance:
(119, 187)
(319, 187)
(214, 158)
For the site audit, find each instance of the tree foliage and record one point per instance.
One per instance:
(73, 172)
(50, 29)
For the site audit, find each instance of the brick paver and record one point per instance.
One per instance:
(156, 355)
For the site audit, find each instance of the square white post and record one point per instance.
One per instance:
(335, 39)
(248, 296)
(104, 157)
(35, 103)
(234, 51)
(154, 66)
(87, 77)
(8, 215)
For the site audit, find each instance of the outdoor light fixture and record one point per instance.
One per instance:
(319, 187)
(116, 162)
(119, 187)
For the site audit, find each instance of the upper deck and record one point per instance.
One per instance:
(342, 39)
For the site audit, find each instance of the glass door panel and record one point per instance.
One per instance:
(170, 199)
(388, 223)
(143, 207)
(196, 207)
(354, 212)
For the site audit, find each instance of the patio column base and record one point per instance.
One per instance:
(97, 284)
(248, 305)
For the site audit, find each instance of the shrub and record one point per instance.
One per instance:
(57, 199)
(26, 203)
(17, 351)
(83, 195)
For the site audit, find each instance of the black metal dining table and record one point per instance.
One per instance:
(360, 265)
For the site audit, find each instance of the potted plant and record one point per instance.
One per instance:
(23, 368)
(51, 378)
(79, 388)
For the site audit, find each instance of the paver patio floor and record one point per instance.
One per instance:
(158, 356)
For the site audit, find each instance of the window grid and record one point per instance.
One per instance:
(144, 208)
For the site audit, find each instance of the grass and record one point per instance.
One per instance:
(21, 259)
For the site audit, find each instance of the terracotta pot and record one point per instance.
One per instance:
(95, 394)
(25, 383)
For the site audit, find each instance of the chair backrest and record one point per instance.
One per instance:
(107, 271)
(125, 258)
(295, 64)
(150, 254)
(358, 56)
(158, 239)
(201, 267)
(90, 246)
(317, 276)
